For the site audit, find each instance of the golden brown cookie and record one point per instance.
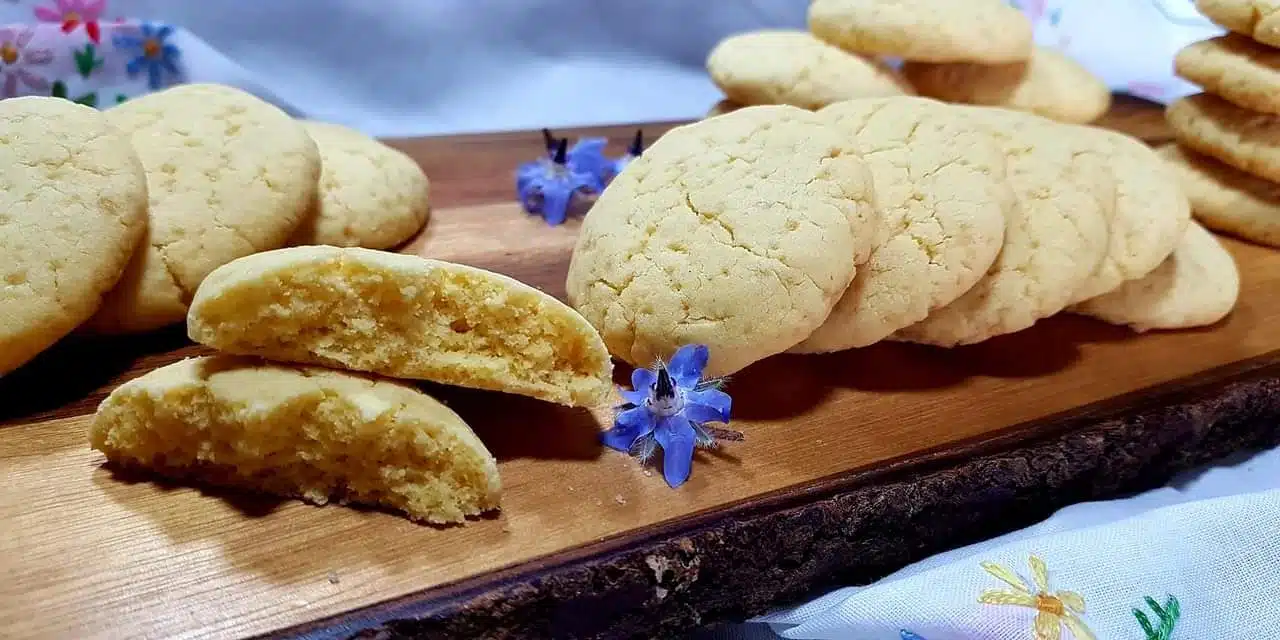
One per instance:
(1258, 19)
(1048, 84)
(1225, 199)
(983, 31)
(1235, 69)
(1246, 140)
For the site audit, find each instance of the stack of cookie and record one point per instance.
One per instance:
(119, 215)
(304, 399)
(1228, 138)
(775, 229)
(979, 52)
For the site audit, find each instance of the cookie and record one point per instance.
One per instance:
(1151, 211)
(942, 199)
(228, 175)
(722, 107)
(1057, 236)
(1047, 84)
(371, 195)
(1258, 19)
(1196, 286)
(1235, 69)
(301, 432)
(739, 232)
(982, 31)
(73, 207)
(795, 68)
(1246, 140)
(1225, 199)
(402, 316)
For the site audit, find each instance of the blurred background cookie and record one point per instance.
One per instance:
(1226, 199)
(985, 31)
(1235, 69)
(1258, 19)
(1246, 140)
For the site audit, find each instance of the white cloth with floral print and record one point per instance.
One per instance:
(1208, 539)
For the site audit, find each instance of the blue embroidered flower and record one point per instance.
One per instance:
(668, 407)
(548, 185)
(153, 53)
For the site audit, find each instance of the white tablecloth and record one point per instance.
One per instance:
(413, 67)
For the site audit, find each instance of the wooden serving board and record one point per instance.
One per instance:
(854, 464)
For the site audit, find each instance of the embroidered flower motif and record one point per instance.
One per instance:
(547, 186)
(16, 61)
(153, 53)
(73, 13)
(1167, 615)
(669, 407)
(1055, 610)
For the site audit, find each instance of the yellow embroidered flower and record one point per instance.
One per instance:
(1056, 610)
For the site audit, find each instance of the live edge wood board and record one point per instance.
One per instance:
(854, 464)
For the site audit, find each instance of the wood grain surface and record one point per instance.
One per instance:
(86, 552)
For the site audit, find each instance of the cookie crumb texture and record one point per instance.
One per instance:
(73, 208)
(302, 432)
(983, 31)
(371, 195)
(739, 232)
(405, 317)
(795, 68)
(228, 175)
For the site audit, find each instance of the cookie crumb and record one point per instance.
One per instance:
(619, 499)
(599, 502)
(333, 577)
(648, 473)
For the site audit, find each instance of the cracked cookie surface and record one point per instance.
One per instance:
(985, 31)
(73, 207)
(739, 232)
(1258, 19)
(795, 68)
(943, 201)
(371, 195)
(228, 175)
(1196, 286)
(1151, 212)
(1056, 237)
(1048, 84)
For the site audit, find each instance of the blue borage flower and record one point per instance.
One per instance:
(668, 407)
(153, 53)
(547, 186)
(616, 166)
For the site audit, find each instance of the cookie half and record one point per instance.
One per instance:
(1235, 69)
(74, 209)
(228, 175)
(404, 317)
(1196, 286)
(1225, 199)
(1048, 84)
(795, 68)
(1246, 140)
(371, 195)
(303, 432)
(739, 232)
(943, 201)
(982, 31)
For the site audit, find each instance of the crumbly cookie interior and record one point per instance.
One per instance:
(454, 327)
(318, 446)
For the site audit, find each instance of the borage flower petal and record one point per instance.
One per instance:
(629, 426)
(709, 405)
(687, 364)
(676, 437)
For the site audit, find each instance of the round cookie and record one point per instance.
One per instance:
(371, 195)
(1225, 199)
(795, 68)
(1196, 286)
(1258, 19)
(73, 207)
(1048, 84)
(228, 175)
(1235, 69)
(1056, 237)
(739, 232)
(1151, 212)
(1244, 139)
(942, 199)
(983, 31)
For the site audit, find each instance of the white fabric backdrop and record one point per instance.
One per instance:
(414, 67)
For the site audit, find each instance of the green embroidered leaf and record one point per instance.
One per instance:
(59, 89)
(1146, 624)
(1171, 605)
(1151, 602)
(120, 97)
(1168, 615)
(87, 61)
(89, 99)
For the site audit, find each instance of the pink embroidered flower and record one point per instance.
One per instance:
(73, 13)
(16, 61)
